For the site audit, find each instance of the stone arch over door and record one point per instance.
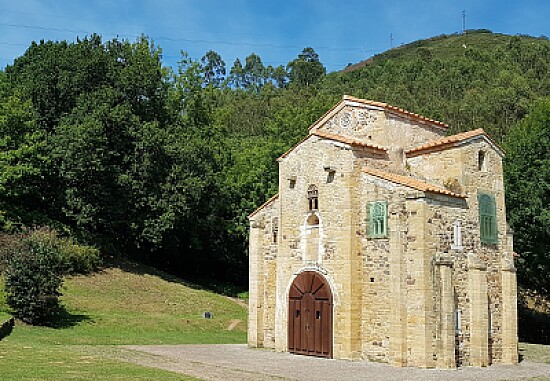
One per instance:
(310, 315)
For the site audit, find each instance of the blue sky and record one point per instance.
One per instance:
(342, 32)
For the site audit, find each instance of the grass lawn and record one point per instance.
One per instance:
(129, 304)
(126, 304)
(535, 352)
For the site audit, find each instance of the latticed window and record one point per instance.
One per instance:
(487, 219)
(377, 219)
(313, 197)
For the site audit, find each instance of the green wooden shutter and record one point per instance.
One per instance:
(488, 231)
(368, 222)
(377, 217)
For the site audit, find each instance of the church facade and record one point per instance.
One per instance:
(387, 242)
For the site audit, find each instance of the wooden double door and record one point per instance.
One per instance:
(310, 316)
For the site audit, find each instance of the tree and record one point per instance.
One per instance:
(527, 174)
(236, 75)
(306, 69)
(213, 68)
(280, 76)
(254, 72)
(54, 74)
(23, 161)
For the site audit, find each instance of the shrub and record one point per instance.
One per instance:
(7, 243)
(79, 259)
(34, 275)
(35, 264)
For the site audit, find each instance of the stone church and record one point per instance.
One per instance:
(387, 242)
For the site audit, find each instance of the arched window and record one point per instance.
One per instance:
(313, 198)
(481, 161)
(487, 218)
(313, 220)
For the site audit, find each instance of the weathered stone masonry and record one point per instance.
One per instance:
(384, 208)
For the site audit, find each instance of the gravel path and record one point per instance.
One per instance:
(236, 362)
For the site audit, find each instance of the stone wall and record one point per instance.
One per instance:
(262, 258)
(331, 239)
(395, 299)
(381, 127)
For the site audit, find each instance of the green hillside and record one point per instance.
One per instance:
(124, 304)
(479, 79)
(164, 164)
(445, 45)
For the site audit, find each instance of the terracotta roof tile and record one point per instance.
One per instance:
(448, 142)
(269, 201)
(411, 183)
(338, 138)
(348, 140)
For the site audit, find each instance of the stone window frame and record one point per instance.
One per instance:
(457, 235)
(313, 198)
(488, 228)
(481, 161)
(458, 321)
(377, 219)
(274, 229)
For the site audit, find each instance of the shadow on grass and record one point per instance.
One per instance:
(195, 283)
(533, 326)
(64, 319)
(521, 356)
(7, 328)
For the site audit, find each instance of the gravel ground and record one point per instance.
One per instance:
(230, 362)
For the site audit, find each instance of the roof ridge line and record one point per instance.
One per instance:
(411, 182)
(396, 109)
(451, 140)
(347, 140)
(259, 208)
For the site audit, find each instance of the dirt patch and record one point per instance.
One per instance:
(233, 323)
(239, 301)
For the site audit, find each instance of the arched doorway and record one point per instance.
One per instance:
(310, 315)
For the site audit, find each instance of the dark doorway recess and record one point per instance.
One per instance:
(310, 316)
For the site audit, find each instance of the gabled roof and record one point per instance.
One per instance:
(337, 138)
(411, 183)
(349, 141)
(453, 141)
(269, 201)
(349, 100)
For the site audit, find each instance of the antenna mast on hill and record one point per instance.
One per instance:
(391, 40)
(463, 22)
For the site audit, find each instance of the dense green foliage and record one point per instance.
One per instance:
(468, 81)
(528, 194)
(164, 165)
(34, 275)
(35, 263)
